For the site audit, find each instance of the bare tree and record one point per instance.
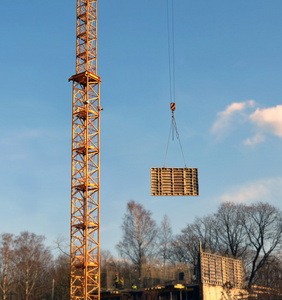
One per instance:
(63, 245)
(106, 258)
(139, 234)
(6, 264)
(263, 226)
(165, 239)
(61, 277)
(33, 260)
(185, 248)
(205, 230)
(250, 232)
(109, 267)
(270, 274)
(230, 230)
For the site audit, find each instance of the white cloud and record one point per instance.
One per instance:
(224, 118)
(245, 194)
(269, 190)
(264, 120)
(258, 138)
(268, 119)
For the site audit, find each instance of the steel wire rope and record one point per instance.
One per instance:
(169, 54)
(168, 143)
(170, 40)
(177, 134)
(171, 66)
(172, 127)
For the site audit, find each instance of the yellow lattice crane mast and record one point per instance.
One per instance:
(85, 190)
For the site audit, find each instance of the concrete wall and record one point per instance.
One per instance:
(211, 292)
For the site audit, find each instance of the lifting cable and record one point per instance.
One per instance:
(171, 64)
(170, 40)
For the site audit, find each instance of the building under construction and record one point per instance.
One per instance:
(216, 278)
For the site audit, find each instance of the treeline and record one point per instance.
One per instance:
(252, 233)
(150, 254)
(29, 271)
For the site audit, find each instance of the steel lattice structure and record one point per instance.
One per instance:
(85, 195)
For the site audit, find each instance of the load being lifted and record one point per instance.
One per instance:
(174, 181)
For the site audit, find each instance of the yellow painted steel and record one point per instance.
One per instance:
(85, 189)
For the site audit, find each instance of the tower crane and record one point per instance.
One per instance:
(85, 180)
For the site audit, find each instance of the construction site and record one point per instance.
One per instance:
(141, 150)
(216, 277)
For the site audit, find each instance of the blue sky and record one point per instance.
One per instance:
(228, 68)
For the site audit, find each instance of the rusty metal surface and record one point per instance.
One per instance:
(174, 182)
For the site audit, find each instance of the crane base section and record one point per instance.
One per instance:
(174, 182)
